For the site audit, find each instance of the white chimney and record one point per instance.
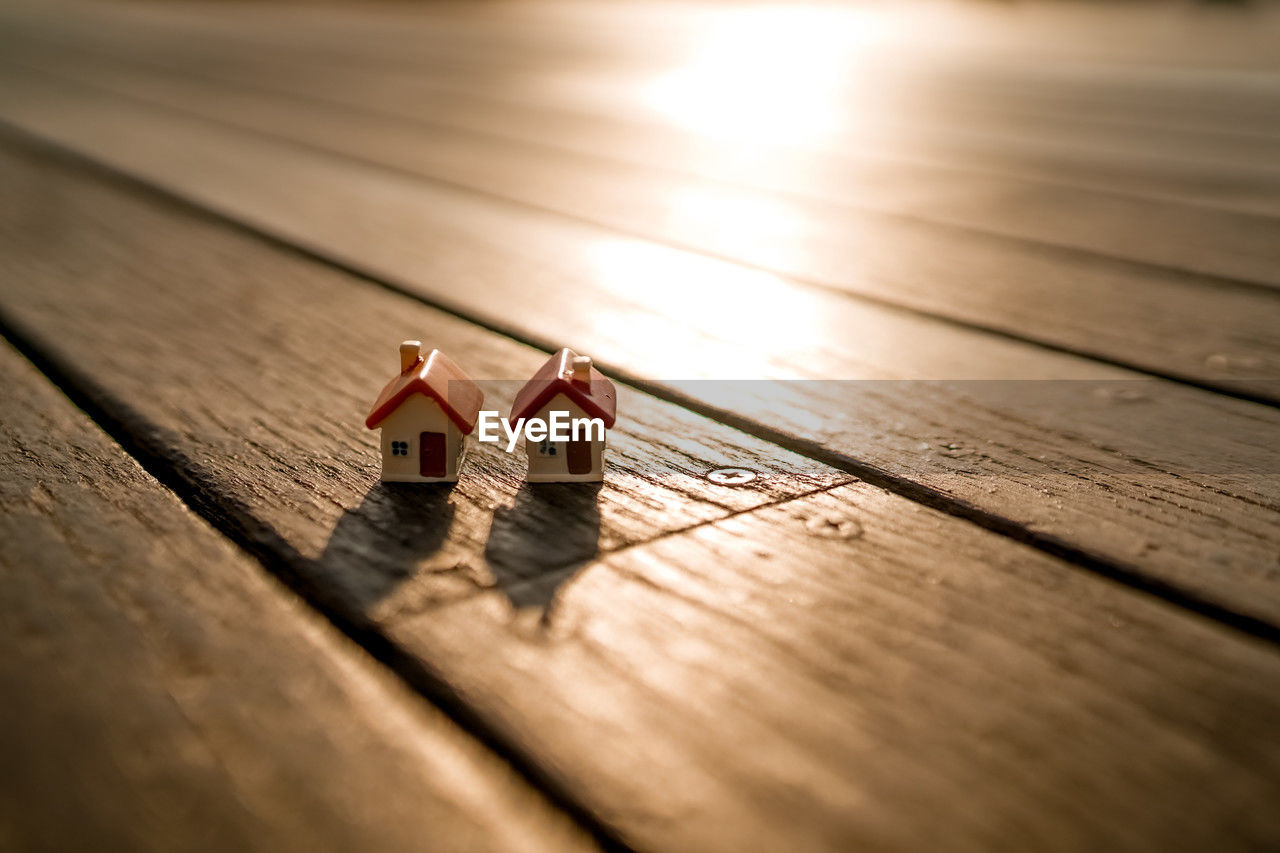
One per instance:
(581, 368)
(409, 354)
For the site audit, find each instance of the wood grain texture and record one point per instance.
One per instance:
(822, 671)
(936, 255)
(162, 693)
(1152, 89)
(1171, 484)
(626, 169)
(835, 670)
(289, 358)
(874, 676)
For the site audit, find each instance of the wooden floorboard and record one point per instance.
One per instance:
(1211, 317)
(986, 298)
(885, 171)
(1163, 482)
(895, 682)
(842, 668)
(1206, 138)
(161, 693)
(286, 355)
(1111, 276)
(1189, 77)
(1075, 268)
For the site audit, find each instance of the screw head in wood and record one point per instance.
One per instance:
(731, 476)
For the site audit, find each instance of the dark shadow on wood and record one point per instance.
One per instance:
(537, 542)
(384, 541)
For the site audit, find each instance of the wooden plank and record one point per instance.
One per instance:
(162, 693)
(1157, 320)
(423, 551)
(579, 55)
(1153, 479)
(1050, 118)
(851, 669)
(457, 136)
(870, 675)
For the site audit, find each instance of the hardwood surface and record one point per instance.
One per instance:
(917, 239)
(240, 331)
(986, 297)
(162, 694)
(881, 646)
(559, 138)
(1191, 472)
(922, 255)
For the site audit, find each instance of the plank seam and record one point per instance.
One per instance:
(1223, 387)
(277, 557)
(1124, 574)
(1182, 273)
(940, 165)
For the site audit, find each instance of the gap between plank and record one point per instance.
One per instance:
(871, 299)
(99, 52)
(278, 558)
(244, 528)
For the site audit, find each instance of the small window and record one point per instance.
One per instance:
(547, 447)
(399, 448)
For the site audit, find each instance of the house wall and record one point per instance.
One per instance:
(556, 468)
(416, 415)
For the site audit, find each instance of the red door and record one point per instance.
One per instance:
(431, 462)
(578, 455)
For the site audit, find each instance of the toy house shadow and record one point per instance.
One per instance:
(538, 542)
(384, 541)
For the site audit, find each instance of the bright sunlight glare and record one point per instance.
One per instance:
(759, 320)
(770, 74)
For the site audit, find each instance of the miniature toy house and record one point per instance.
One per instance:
(425, 415)
(567, 383)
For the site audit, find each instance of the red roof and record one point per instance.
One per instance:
(597, 396)
(440, 379)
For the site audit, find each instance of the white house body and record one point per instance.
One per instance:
(567, 383)
(579, 460)
(425, 414)
(420, 444)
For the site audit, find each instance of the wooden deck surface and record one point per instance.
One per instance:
(987, 296)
